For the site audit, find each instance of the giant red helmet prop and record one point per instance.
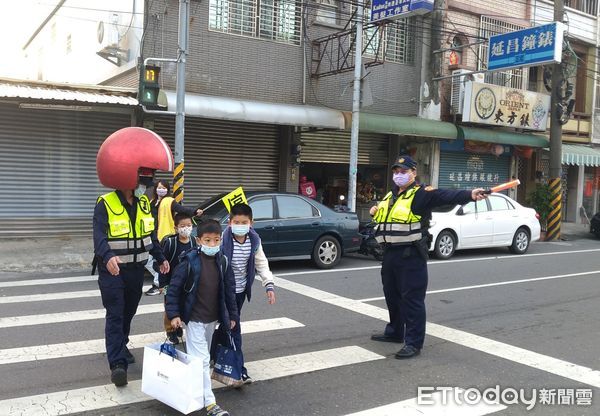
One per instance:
(128, 150)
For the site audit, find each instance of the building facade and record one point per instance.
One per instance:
(518, 152)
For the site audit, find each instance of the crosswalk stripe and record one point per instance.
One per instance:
(99, 397)
(410, 407)
(518, 355)
(52, 281)
(53, 318)
(55, 296)
(96, 346)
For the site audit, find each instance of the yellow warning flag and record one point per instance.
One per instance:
(235, 197)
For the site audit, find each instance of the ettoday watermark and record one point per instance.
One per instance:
(498, 395)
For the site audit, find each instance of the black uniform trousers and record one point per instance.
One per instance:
(121, 295)
(404, 278)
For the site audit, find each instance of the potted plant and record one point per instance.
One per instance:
(540, 200)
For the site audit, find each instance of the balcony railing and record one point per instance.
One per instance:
(585, 6)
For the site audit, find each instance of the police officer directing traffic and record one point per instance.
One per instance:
(402, 219)
(124, 233)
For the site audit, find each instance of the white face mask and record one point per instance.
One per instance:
(140, 190)
(161, 192)
(184, 231)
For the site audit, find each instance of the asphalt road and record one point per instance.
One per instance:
(494, 319)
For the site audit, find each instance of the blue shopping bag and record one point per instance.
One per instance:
(228, 363)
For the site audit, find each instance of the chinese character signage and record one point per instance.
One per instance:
(533, 46)
(507, 107)
(392, 9)
(234, 197)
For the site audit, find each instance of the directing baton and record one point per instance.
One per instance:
(503, 186)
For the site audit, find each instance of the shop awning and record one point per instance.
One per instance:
(223, 108)
(580, 155)
(405, 126)
(502, 137)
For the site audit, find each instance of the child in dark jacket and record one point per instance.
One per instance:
(173, 247)
(202, 292)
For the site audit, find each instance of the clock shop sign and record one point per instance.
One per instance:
(507, 107)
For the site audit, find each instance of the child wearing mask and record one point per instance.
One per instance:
(202, 292)
(173, 246)
(242, 245)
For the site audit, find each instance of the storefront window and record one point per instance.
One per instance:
(590, 191)
(331, 182)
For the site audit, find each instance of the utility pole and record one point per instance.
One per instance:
(182, 52)
(435, 65)
(360, 9)
(554, 219)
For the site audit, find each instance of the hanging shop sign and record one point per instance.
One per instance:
(532, 46)
(508, 107)
(394, 9)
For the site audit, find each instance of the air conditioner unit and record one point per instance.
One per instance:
(459, 78)
(109, 38)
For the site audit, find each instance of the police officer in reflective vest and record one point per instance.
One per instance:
(402, 219)
(124, 233)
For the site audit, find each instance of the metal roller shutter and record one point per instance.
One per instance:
(222, 155)
(468, 171)
(334, 147)
(48, 169)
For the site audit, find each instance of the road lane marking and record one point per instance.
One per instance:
(73, 279)
(50, 281)
(97, 346)
(55, 296)
(510, 282)
(518, 355)
(410, 407)
(53, 318)
(99, 397)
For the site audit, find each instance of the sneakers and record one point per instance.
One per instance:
(172, 337)
(153, 291)
(118, 375)
(246, 378)
(215, 410)
(129, 356)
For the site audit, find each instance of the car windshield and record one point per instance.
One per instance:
(443, 208)
(213, 208)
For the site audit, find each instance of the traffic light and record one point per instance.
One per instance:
(149, 87)
(295, 154)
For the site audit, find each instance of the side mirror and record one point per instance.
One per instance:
(460, 211)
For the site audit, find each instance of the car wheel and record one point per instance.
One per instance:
(520, 242)
(445, 245)
(327, 252)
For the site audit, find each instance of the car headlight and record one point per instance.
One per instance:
(432, 223)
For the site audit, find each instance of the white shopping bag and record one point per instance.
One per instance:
(175, 382)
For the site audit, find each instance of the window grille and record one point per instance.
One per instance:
(397, 40)
(514, 78)
(278, 20)
(327, 11)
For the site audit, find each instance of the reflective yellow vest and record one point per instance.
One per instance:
(398, 225)
(166, 223)
(130, 243)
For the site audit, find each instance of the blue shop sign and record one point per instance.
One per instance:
(393, 9)
(533, 46)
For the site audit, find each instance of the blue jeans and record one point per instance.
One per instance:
(236, 332)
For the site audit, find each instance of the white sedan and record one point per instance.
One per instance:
(497, 221)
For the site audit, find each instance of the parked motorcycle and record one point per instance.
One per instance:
(595, 225)
(369, 246)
